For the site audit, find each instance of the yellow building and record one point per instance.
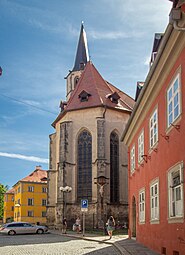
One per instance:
(8, 205)
(30, 198)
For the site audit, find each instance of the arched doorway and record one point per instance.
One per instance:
(133, 234)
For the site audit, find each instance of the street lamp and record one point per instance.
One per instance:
(101, 182)
(64, 190)
(18, 206)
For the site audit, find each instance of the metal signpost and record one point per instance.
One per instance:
(84, 209)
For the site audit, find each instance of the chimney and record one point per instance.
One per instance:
(38, 167)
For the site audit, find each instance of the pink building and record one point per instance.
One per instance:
(155, 136)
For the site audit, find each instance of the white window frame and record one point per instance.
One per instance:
(175, 192)
(153, 128)
(132, 159)
(142, 206)
(172, 95)
(43, 213)
(44, 202)
(140, 147)
(154, 200)
(30, 188)
(30, 214)
(44, 189)
(30, 202)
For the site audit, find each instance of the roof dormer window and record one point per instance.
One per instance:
(63, 105)
(84, 96)
(114, 97)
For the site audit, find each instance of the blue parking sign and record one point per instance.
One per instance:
(84, 203)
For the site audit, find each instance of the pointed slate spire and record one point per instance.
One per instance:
(82, 55)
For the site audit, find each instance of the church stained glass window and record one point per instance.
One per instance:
(84, 172)
(114, 168)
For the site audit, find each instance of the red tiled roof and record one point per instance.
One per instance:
(10, 191)
(38, 175)
(93, 83)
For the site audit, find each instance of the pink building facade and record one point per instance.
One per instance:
(155, 136)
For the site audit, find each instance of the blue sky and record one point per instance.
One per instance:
(38, 46)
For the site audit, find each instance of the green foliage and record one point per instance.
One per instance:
(3, 189)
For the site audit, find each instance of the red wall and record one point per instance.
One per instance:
(169, 152)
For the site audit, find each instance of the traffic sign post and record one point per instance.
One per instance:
(84, 204)
(84, 208)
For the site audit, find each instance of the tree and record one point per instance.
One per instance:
(3, 189)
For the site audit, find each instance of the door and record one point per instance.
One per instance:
(29, 228)
(133, 217)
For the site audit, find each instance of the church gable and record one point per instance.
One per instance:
(92, 83)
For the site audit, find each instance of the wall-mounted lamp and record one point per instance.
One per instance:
(65, 190)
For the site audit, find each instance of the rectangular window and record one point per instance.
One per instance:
(44, 202)
(44, 190)
(142, 206)
(173, 100)
(30, 188)
(140, 147)
(175, 191)
(30, 214)
(154, 201)
(12, 208)
(18, 190)
(30, 201)
(132, 159)
(44, 214)
(153, 129)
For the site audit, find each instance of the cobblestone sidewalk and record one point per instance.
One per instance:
(121, 242)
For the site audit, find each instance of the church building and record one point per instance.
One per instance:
(88, 162)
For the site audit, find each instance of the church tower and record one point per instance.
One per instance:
(82, 57)
(87, 160)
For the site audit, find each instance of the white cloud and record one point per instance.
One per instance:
(113, 34)
(24, 157)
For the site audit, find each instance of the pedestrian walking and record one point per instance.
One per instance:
(64, 226)
(78, 225)
(110, 226)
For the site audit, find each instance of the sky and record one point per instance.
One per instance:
(38, 41)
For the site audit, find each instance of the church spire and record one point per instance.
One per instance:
(82, 55)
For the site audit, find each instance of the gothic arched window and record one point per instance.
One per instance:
(84, 168)
(114, 168)
(76, 79)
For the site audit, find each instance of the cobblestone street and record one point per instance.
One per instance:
(51, 244)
